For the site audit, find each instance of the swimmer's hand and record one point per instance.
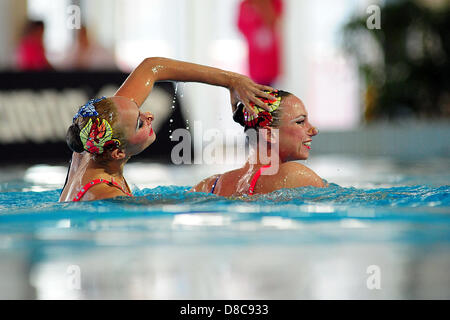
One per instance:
(243, 89)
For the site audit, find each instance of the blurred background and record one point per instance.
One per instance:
(375, 79)
(364, 81)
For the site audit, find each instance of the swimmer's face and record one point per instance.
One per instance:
(295, 130)
(136, 125)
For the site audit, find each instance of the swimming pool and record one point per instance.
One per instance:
(380, 231)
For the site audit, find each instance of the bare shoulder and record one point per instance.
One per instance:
(205, 185)
(102, 191)
(298, 175)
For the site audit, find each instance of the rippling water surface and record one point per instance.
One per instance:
(386, 218)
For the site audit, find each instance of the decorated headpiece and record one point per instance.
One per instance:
(264, 117)
(96, 135)
(88, 109)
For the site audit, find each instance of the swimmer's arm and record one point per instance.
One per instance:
(77, 158)
(297, 175)
(140, 82)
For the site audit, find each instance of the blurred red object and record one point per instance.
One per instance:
(259, 23)
(31, 50)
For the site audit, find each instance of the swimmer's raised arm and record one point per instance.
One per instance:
(140, 82)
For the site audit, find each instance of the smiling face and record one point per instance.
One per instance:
(137, 126)
(295, 131)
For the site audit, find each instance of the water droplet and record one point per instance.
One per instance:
(182, 89)
(171, 120)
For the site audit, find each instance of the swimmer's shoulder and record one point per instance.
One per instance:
(103, 191)
(205, 185)
(294, 175)
(96, 192)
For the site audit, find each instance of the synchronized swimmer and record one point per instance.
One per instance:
(107, 132)
(284, 131)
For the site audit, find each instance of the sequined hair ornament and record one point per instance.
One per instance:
(88, 109)
(96, 135)
(264, 117)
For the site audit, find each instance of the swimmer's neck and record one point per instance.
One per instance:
(256, 159)
(113, 168)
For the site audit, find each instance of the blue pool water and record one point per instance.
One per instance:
(166, 243)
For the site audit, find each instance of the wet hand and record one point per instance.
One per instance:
(246, 90)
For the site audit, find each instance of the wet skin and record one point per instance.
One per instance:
(294, 131)
(139, 134)
(136, 124)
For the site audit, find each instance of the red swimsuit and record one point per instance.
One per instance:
(255, 178)
(112, 183)
(252, 183)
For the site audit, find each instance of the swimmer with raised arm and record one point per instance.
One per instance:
(106, 132)
(284, 131)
